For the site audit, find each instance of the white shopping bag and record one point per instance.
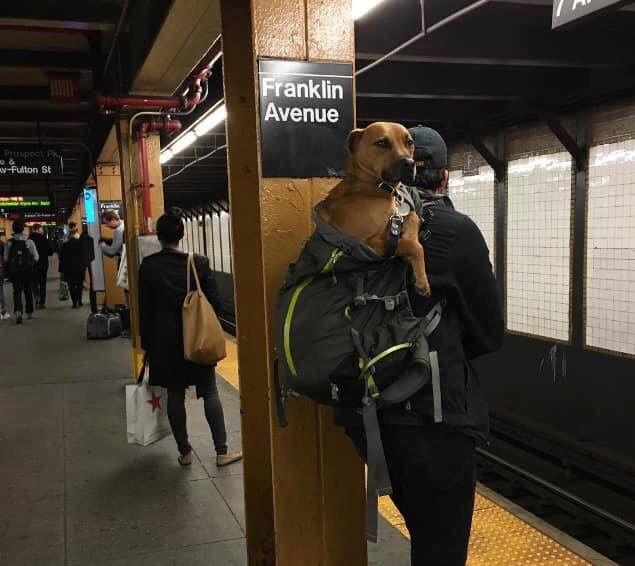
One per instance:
(122, 272)
(146, 413)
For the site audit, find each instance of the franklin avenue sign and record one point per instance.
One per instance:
(30, 161)
(306, 112)
(567, 11)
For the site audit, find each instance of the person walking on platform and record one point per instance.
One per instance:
(431, 464)
(72, 265)
(162, 290)
(4, 315)
(40, 271)
(20, 255)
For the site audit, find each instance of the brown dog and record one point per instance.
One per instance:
(362, 205)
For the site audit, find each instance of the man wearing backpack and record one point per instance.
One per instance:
(430, 446)
(20, 256)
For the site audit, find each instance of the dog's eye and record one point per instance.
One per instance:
(411, 143)
(382, 143)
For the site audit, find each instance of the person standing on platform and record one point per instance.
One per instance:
(40, 271)
(4, 315)
(111, 219)
(88, 256)
(430, 446)
(20, 255)
(72, 265)
(162, 290)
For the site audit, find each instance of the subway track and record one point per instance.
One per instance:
(592, 509)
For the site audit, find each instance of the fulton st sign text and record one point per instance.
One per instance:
(30, 161)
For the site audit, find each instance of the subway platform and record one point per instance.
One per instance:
(74, 493)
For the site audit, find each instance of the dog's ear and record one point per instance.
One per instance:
(353, 139)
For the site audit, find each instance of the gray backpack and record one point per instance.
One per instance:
(346, 336)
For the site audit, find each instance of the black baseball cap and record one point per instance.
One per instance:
(430, 149)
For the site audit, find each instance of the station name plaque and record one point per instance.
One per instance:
(568, 11)
(306, 113)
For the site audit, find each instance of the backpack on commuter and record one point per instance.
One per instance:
(347, 336)
(20, 261)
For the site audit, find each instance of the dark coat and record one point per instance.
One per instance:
(72, 261)
(44, 248)
(460, 274)
(162, 290)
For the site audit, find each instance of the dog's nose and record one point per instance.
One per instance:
(407, 167)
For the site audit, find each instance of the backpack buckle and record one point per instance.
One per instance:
(335, 392)
(360, 301)
(390, 303)
(396, 223)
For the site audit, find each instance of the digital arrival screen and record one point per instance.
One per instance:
(23, 204)
(306, 113)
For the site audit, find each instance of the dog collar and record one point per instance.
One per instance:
(385, 186)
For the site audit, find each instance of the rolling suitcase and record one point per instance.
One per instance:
(103, 325)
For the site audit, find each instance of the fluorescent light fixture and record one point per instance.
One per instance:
(207, 122)
(362, 7)
(165, 156)
(186, 140)
(210, 121)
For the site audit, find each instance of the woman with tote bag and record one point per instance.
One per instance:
(163, 288)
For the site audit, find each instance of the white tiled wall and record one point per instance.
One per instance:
(216, 234)
(198, 237)
(225, 241)
(474, 195)
(610, 259)
(538, 245)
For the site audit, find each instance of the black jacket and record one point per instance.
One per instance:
(460, 274)
(44, 248)
(72, 264)
(162, 290)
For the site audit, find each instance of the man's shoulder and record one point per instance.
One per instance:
(448, 217)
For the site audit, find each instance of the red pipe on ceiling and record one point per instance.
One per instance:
(141, 133)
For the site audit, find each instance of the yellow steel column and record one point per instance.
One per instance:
(133, 219)
(303, 484)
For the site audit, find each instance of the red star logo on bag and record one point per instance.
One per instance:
(155, 402)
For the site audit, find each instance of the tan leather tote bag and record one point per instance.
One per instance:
(203, 337)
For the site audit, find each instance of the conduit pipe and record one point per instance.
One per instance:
(193, 95)
(441, 23)
(141, 134)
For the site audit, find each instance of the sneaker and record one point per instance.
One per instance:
(185, 459)
(229, 458)
(18, 317)
(5, 316)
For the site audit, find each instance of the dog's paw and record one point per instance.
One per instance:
(424, 292)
